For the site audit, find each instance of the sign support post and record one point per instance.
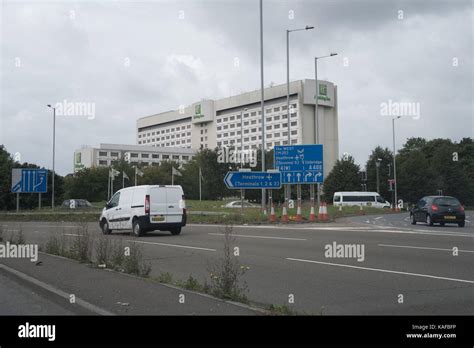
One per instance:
(17, 202)
(242, 202)
(39, 201)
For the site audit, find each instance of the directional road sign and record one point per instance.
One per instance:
(27, 180)
(253, 180)
(300, 164)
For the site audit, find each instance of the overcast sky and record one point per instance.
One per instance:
(132, 59)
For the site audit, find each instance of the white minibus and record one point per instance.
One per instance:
(372, 199)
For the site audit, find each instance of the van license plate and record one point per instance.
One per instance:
(450, 217)
(158, 218)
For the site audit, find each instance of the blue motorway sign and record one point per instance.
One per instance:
(253, 180)
(299, 164)
(27, 180)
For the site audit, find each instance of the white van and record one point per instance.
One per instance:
(145, 208)
(372, 199)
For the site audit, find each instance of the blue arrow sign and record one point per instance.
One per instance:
(300, 164)
(252, 180)
(27, 180)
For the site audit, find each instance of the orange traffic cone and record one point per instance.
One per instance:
(298, 213)
(311, 214)
(272, 213)
(284, 215)
(323, 212)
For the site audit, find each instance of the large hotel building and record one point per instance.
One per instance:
(220, 123)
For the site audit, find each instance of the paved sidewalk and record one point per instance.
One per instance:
(106, 292)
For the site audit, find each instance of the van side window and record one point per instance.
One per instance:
(380, 199)
(115, 200)
(337, 198)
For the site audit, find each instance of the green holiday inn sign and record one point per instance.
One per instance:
(197, 112)
(323, 92)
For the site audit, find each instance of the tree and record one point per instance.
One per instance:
(387, 159)
(345, 176)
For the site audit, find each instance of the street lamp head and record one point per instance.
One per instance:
(49, 105)
(308, 27)
(333, 54)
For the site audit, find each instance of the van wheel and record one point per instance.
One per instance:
(413, 220)
(105, 227)
(461, 224)
(175, 231)
(137, 229)
(428, 220)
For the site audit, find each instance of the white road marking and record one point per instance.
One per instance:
(378, 217)
(378, 229)
(172, 245)
(427, 248)
(384, 270)
(246, 236)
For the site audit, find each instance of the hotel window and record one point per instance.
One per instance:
(246, 131)
(269, 119)
(277, 118)
(103, 153)
(114, 154)
(218, 120)
(219, 136)
(102, 163)
(188, 127)
(253, 122)
(166, 156)
(253, 114)
(225, 119)
(284, 134)
(293, 123)
(232, 134)
(269, 135)
(145, 155)
(294, 132)
(293, 115)
(276, 109)
(232, 118)
(246, 123)
(232, 125)
(253, 138)
(226, 135)
(277, 143)
(254, 130)
(176, 157)
(293, 141)
(155, 156)
(284, 107)
(269, 127)
(134, 155)
(277, 126)
(269, 144)
(277, 135)
(246, 115)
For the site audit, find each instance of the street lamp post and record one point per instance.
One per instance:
(394, 163)
(54, 150)
(316, 116)
(288, 31)
(242, 137)
(377, 167)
